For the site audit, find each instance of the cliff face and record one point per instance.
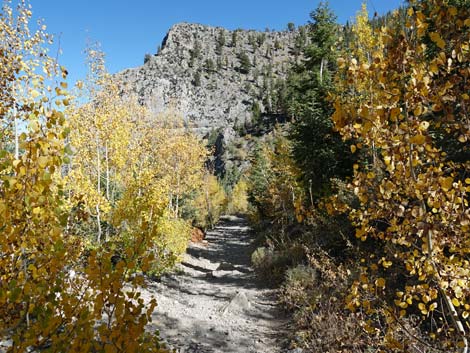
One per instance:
(213, 77)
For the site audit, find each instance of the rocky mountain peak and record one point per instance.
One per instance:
(214, 77)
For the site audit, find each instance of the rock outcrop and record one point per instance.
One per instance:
(213, 77)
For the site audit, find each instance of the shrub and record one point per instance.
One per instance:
(238, 200)
(271, 265)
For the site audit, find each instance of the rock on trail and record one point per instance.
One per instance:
(213, 303)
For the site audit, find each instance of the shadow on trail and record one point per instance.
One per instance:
(215, 304)
(229, 242)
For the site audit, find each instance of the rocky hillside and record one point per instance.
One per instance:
(214, 77)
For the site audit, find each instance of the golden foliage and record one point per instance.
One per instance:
(413, 197)
(209, 203)
(238, 198)
(55, 293)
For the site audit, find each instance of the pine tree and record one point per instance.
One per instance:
(245, 64)
(318, 150)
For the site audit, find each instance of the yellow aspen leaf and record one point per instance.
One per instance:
(465, 314)
(418, 139)
(418, 110)
(35, 93)
(462, 138)
(34, 126)
(436, 38)
(380, 282)
(446, 183)
(394, 113)
(422, 308)
(42, 161)
(353, 148)
(456, 302)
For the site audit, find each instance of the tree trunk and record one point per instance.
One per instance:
(450, 306)
(107, 185)
(17, 149)
(321, 70)
(98, 182)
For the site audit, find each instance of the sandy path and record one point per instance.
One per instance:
(214, 303)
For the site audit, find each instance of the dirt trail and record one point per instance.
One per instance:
(214, 304)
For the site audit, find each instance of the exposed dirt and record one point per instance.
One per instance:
(213, 303)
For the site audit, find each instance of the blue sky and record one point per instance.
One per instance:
(127, 29)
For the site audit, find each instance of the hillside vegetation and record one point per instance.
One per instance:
(351, 162)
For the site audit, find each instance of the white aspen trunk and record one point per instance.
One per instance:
(177, 207)
(310, 192)
(321, 70)
(17, 148)
(98, 167)
(98, 221)
(107, 184)
(25, 271)
(450, 306)
(107, 172)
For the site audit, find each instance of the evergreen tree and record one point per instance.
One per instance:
(195, 53)
(220, 43)
(210, 66)
(197, 79)
(234, 38)
(245, 64)
(318, 150)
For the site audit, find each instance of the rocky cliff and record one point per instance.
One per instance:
(213, 77)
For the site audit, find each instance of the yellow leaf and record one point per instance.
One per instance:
(353, 148)
(418, 139)
(380, 282)
(446, 183)
(436, 38)
(456, 302)
(418, 110)
(42, 161)
(34, 94)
